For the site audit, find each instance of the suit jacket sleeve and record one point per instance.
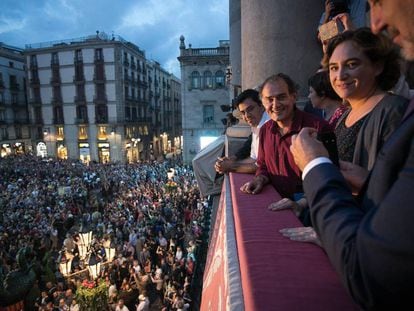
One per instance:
(373, 251)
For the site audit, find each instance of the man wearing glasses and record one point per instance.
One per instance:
(251, 109)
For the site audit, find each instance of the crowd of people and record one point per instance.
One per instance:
(156, 225)
(358, 210)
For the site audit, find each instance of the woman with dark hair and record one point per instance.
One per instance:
(363, 67)
(322, 96)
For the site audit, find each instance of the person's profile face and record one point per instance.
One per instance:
(315, 99)
(395, 17)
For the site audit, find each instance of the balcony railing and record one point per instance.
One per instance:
(101, 99)
(34, 81)
(79, 100)
(82, 120)
(78, 78)
(14, 86)
(59, 120)
(101, 119)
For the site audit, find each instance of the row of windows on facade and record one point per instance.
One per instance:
(207, 80)
(140, 65)
(55, 57)
(104, 132)
(14, 99)
(131, 114)
(13, 85)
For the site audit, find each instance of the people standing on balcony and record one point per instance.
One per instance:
(275, 164)
(370, 241)
(372, 64)
(251, 109)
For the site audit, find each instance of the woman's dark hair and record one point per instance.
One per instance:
(292, 86)
(339, 6)
(322, 86)
(378, 48)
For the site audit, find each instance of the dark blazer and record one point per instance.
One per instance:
(371, 245)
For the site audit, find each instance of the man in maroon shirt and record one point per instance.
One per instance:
(275, 161)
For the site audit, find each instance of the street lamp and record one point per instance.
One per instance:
(110, 252)
(170, 173)
(94, 266)
(85, 242)
(65, 265)
(90, 261)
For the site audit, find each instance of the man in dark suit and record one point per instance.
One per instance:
(371, 242)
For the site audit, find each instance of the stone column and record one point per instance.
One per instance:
(279, 36)
(235, 41)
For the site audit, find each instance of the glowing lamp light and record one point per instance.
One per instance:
(86, 238)
(94, 267)
(170, 174)
(110, 253)
(83, 250)
(65, 267)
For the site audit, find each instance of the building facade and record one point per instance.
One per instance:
(92, 99)
(165, 105)
(204, 93)
(14, 115)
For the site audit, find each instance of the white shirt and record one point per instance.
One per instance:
(313, 163)
(255, 135)
(143, 305)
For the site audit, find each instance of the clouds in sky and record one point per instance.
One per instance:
(153, 25)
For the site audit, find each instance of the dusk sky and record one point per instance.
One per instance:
(153, 25)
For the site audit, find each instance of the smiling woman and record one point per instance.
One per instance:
(362, 68)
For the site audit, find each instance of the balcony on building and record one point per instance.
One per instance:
(100, 99)
(98, 60)
(58, 120)
(57, 100)
(33, 65)
(78, 60)
(34, 81)
(127, 78)
(38, 120)
(101, 114)
(250, 264)
(55, 80)
(99, 78)
(79, 100)
(81, 120)
(21, 120)
(101, 119)
(35, 102)
(14, 86)
(78, 79)
(19, 106)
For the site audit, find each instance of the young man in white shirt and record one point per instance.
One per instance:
(250, 107)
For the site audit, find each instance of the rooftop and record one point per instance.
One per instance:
(98, 37)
